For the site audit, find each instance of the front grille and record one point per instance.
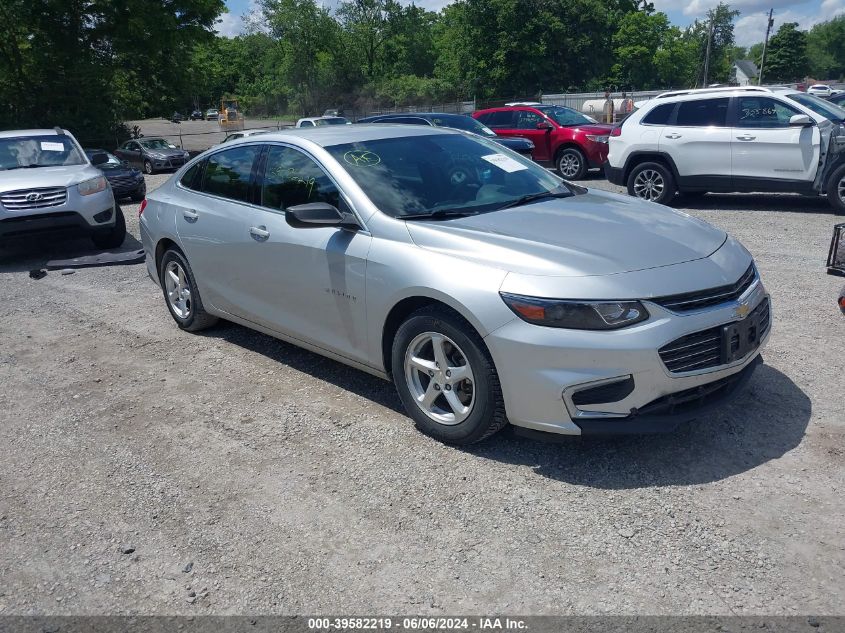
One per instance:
(705, 298)
(703, 350)
(26, 199)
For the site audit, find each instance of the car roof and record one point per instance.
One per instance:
(32, 132)
(329, 135)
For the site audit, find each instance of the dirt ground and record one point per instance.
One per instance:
(144, 470)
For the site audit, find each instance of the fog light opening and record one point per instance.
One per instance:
(103, 216)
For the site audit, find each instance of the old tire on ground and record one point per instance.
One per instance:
(113, 237)
(571, 163)
(653, 182)
(181, 294)
(836, 190)
(446, 377)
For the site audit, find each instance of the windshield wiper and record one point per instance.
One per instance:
(531, 197)
(438, 215)
(33, 166)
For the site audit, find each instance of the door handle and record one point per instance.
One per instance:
(260, 233)
(674, 135)
(190, 215)
(746, 137)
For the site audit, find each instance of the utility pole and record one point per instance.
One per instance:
(765, 45)
(707, 54)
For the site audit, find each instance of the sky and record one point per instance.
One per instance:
(749, 28)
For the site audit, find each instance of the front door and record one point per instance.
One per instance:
(526, 122)
(131, 152)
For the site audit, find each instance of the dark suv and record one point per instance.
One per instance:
(565, 138)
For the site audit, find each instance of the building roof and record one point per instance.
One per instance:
(748, 68)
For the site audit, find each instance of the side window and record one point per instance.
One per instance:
(228, 173)
(497, 120)
(703, 113)
(763, 112)
(527, 120)
(659, 115)
(292, 178)
(131, 146)
(191, 178)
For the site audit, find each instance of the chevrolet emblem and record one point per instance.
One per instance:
(742, 310)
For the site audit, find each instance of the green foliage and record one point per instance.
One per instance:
(826, 49)
(786, 57)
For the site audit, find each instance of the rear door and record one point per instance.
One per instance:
(525, 126)
(765, 147)
(698, 139)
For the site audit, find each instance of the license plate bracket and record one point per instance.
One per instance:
(740, 338)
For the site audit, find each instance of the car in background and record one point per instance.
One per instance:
(125, 181)
(838, 98)
(152, 154)
(196, 115)
(234, 136)
(504, 296)
(570, 141)
(316, 121)
(177, 117)
(456, 122)
(820, 90)
(211, 114)
(333, 112)
(48, 184)
(731, 139)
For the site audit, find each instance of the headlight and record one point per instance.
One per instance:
(595, 138)
(94, 185)
(576, 315)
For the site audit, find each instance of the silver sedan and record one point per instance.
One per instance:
(489, 290)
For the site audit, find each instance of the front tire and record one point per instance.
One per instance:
(836, 190)
(446, 378)
(113, 237)
(652, 182)
(148, 167)
(571, 164)
(181, 294)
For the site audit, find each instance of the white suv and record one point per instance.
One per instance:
(730, 139)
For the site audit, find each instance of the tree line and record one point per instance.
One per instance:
(91, 64)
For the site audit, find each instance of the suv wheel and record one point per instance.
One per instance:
(113, 237)
(652, 182)
(836, 190)
(181, 294)
(571, 164)
(446, 378)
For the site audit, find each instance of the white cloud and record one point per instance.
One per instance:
(229, 25)
(700, 7)
(750, 29)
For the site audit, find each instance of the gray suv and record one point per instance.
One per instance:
(47, 184)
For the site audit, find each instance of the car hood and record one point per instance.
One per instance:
(42, 177)
(120, 172)
(596, 233)
(595, 128)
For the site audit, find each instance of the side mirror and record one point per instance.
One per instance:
(316, 214)
(544, 125)
(800, 120)
(99, 158)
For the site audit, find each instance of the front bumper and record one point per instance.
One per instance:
(84, 215)
(541, 369)
(614, 175)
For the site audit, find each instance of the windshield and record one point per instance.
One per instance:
(825, 108)
(423, 175)
(338, 120)
(565, 116)
(157, 143)
(111, 163)
(38, 151)
(466, 123)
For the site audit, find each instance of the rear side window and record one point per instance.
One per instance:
(500, 119)
(659, 115)
(703, 113)
(191, 178)
(228, 173)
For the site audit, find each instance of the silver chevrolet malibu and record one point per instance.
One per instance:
(489, 290)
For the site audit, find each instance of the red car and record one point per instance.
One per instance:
(563, 137)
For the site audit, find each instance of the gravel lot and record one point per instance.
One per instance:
(147, 470)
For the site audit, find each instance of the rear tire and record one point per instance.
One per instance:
(652, 182)
(465, 404)
(181, 294)
(836, 190)
(571, 164)
(112, 238)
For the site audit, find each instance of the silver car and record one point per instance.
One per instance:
(48, 184)
(489, 290)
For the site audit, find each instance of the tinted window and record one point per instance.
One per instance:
(191, 177)
(763, 112)
(527, 120)
(228, 173)
(408, 120)
(292, 178)
(566, 116)
(500, 119)
(660, 115)
(703, 113)
(827, 109)
(131, 146)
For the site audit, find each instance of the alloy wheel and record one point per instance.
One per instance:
(178, 290)
(840, 188)
(569, 165)
(440, 378)
(649, 184)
